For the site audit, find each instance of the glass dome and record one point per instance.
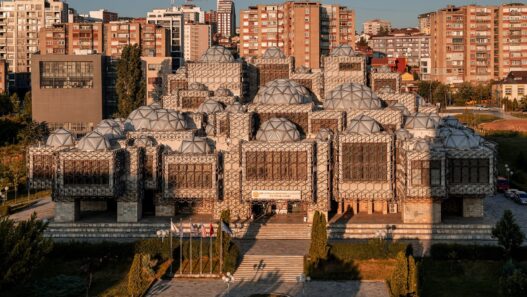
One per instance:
(223, 92)
(210, 106)
(351, 96)
(278, 130)
(420, 120)
(283, 92)
(93, 141)
(343, 51)
(60, 137)
(110, 129)
(363, 124)
(273, 53)
(197, 145)
(217, 54)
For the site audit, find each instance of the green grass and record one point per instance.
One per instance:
(474, 119)
(459, 278)
(509, 148)
(519, 115)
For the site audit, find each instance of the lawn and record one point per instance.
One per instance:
(474, 119)
(459, 278)
(512, 150)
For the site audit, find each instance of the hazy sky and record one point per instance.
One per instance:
(402, 13)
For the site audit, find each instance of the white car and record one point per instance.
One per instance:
(520, 197)
(510, 193)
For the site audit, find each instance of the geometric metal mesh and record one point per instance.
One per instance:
(420, 120)
(283, 92)
(363, 124)
(351, 96)
(60, 137)
(197, 145)
(273, 53)
(223, 92)
(343, 51)
(196, 86)
(217, 54)
(462, 140)
(210, 106)
(93, 141)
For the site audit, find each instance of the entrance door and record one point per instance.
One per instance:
(148, 203)
(453, 206)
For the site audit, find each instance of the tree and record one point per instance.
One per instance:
(23, 248)
(33, 132)
(16, 171)
(5, 104)
(362, 42)
(27, 108)
(230, 250)
(508, 233)
(130, 86)
(15, 103)
(140, 275)
(319, 239)
(403, 281)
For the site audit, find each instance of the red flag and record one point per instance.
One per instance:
(211, 230)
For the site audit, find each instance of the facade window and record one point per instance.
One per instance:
(521, 91)
(190, 176)
(426, 173)
(66, 75)
(350, 66)
(364, 162)
(508, 91)
(86, 172)
(276, 166)
(149, 166)
(468, 171)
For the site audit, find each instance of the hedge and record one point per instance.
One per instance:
(74, 250)
(373, 249)
(452, 251)
(4, 210)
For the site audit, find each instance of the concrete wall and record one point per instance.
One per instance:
(421, 212)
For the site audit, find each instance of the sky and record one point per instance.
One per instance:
(402, 13)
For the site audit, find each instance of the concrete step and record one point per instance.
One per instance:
(271, 268)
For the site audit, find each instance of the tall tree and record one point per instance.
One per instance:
(27, 108)
(15, 103)
(33, 132)
(508, 233)
(319, 239)
(130, 86)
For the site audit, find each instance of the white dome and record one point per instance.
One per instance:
(351, 96)
(197, 145)
(450, 121)
(145, 141)
(400, 107)
(278, 130)
(168, 120)
(155, 105)
(210, 106)
(141, 117)
(236, 107)
(60, 137)
(217, 54)
(93, 141)
(283, 92)
(363, 124)
(343, 51)
(223, 92)
(403, 134)
(110, 129)
(273, 53)
(461, 139)
(303, 70)
(420, 120)
(196, 86)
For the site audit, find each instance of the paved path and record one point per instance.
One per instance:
(494, 207)
(45, 209)
(216, 288)
(274, 247)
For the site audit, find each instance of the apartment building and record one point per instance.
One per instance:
(478, 43)
(409, 44)
(198, 38)
(211, 18)
(20, 22)
(103, 15)
(173, 20)
(226, 17)
(304, 30)
(72, 39)
(424, 22)
(373, 27)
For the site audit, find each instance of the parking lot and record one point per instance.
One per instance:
(496, 205)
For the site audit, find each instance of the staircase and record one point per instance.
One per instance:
(273, 231)
(270, 268)
(439, 232)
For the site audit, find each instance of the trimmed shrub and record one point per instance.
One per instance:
(373, 249)
(231, 252)
(156, 248)
(403, 282)
(74, 250)
(140, 275)
(319, 239)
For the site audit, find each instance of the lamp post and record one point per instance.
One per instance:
(4, 195)
(228, 279)
(509, 173)
(162, 234)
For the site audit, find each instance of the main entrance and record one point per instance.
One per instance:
(269, 208)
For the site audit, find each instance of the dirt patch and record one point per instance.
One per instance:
(505, 125)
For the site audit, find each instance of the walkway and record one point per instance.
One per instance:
(216, 288)
(45, 209)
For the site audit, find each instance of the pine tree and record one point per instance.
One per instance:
(508, 233)
(130, 86)
(319, 239)
(15, 103)
(27, 108)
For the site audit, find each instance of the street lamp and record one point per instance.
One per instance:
(228, 279)
(509, 173)
(4, 195)
(162, 234)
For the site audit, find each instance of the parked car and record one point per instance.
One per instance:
(510, 193)
(481, 107)
(502, 184)
(520, 197)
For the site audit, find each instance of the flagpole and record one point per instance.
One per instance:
(221, 246)
(190, 250)
(180, 246)
(171, 250)
(201, 251)
(210, 247)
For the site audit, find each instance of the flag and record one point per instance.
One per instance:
(174, 228)
(211, 231)
(203, 231)
(181, 228)
(226, 228)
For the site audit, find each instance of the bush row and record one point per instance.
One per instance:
(373, 249)
(451, 251)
